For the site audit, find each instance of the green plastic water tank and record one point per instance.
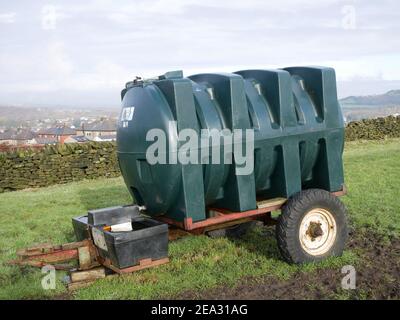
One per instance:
(298, 138)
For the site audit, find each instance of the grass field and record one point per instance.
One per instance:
(197, 262)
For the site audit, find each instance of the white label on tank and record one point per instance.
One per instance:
(98, 238)
(127, 113)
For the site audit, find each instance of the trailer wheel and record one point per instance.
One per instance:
(236, 231)
(311, 227)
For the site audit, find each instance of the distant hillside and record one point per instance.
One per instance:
(390, 98)
(16, 116)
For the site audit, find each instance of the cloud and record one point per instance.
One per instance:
(58, 61)
(8, 17)
(377, 67)
(98, 45)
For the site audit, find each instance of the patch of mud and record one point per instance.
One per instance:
(377, 277)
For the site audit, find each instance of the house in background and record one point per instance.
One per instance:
(76, 139)
(59, 133)
(103, 128)
(105, 138)
(45, 141)
(16, 137)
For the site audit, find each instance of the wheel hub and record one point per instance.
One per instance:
(317, 231)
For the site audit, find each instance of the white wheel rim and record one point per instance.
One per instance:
(317, 231)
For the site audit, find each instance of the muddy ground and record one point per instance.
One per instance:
(377, 277)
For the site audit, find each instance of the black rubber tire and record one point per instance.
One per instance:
(236, 231)
(288, 226)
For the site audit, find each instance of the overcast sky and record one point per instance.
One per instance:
(82, 52)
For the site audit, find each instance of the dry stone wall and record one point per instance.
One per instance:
(373, 129)
(57, 164)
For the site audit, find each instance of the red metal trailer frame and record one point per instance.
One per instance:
(223, 218)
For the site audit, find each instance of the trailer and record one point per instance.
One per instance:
(296, 154)
(171, 128)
